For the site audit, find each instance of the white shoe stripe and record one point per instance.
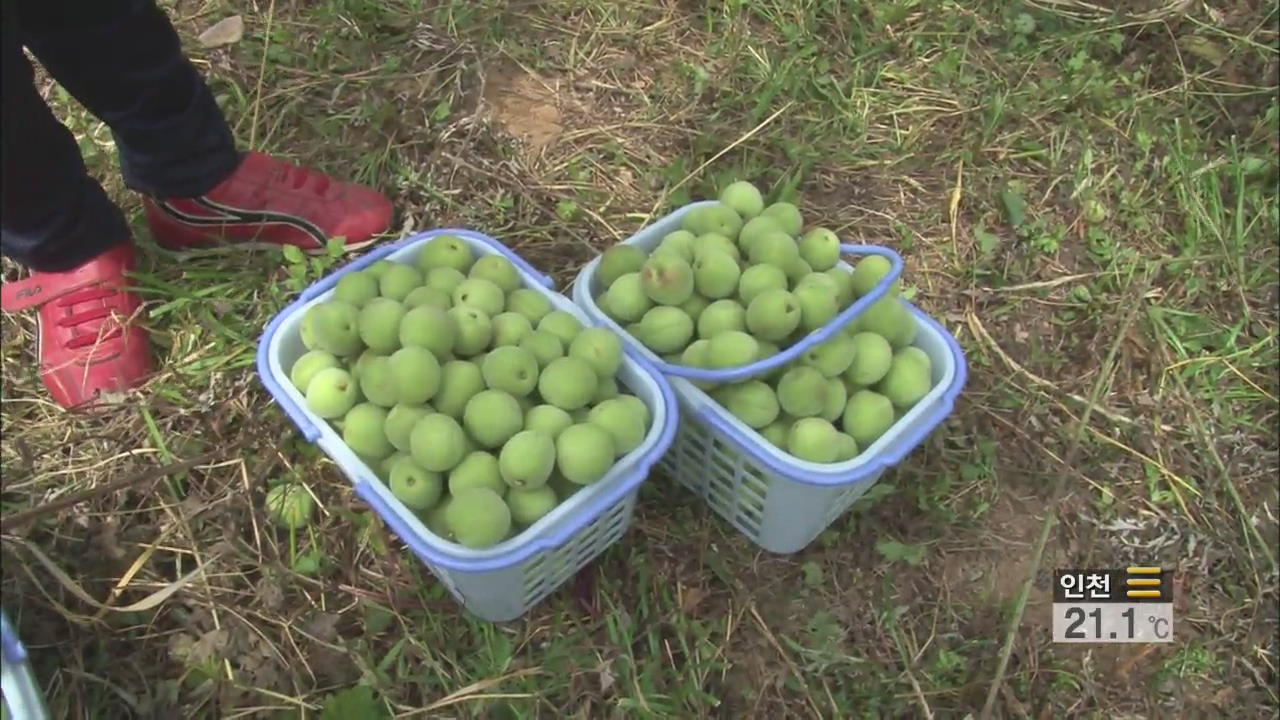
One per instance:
(320, 236)
(240, 216)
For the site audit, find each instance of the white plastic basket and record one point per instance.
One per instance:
(22, 697)
(778, 501)
(503, 582)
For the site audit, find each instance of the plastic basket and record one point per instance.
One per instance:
(503, 582)
(780, 502)
(22, 697)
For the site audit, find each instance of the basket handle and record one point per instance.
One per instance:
(329, 281)
(817, 337)
(544, 280)
(291, 409)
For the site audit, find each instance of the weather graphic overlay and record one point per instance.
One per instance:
(1116, 605)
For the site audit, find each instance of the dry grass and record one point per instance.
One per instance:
(562, 127)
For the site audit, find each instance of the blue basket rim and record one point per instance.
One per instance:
(374, 492)
(849, 472)
(759, 367)
(864, 466)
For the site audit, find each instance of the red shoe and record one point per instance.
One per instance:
(89, 340)
(270, 203)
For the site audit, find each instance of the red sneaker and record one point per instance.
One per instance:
(89, 340)
(270, 203)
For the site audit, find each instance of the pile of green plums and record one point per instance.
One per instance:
(741, 281)
(479, 404)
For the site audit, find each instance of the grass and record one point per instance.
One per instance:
(1087, 200)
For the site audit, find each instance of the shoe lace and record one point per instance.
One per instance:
(296, 177)
(88, 325)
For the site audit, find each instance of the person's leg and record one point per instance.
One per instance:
(59, 223)
(123, 60)
(56, 217)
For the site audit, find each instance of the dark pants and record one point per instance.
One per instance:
(121, 59)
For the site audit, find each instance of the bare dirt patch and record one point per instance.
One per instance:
(526, 106)
(992, 572)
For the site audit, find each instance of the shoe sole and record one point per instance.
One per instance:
(213, 244)
(250, 245)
